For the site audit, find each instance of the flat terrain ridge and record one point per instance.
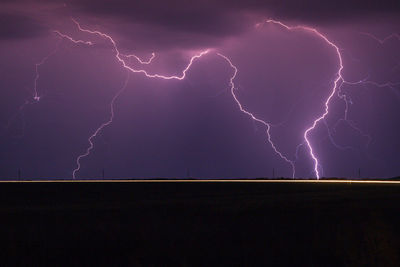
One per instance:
(200, 223)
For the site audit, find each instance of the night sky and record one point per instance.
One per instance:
(193, 126)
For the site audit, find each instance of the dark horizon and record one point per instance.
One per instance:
(202, 224)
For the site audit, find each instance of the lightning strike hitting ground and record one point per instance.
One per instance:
(336, 82)
(232, 89)
(99, 129)
(124, 64)
(393, 86)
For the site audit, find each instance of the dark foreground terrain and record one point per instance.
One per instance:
(199, 224)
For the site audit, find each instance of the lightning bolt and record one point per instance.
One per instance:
(384, 40)
(72, 39)
(393, 86)
(339, 79)
(119, 58)
(337, 84)
(36, 96)
(99, 129)
(347, 100)
(141, 61)
(251, 115)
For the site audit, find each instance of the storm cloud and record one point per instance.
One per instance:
(16, 26)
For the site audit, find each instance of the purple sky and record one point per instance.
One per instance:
(163, 128)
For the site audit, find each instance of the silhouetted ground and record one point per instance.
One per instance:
(199, 224)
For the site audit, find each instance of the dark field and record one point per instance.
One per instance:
(199, 224)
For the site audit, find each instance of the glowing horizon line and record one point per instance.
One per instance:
(150, 180)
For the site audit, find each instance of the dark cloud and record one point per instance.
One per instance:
(158, 25)
(14, 26)
(204, 17)
(207, 21)
(193, 17)
(216, 17)
(322, 12)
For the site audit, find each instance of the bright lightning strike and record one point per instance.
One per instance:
(119, 56)
(336, 82)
